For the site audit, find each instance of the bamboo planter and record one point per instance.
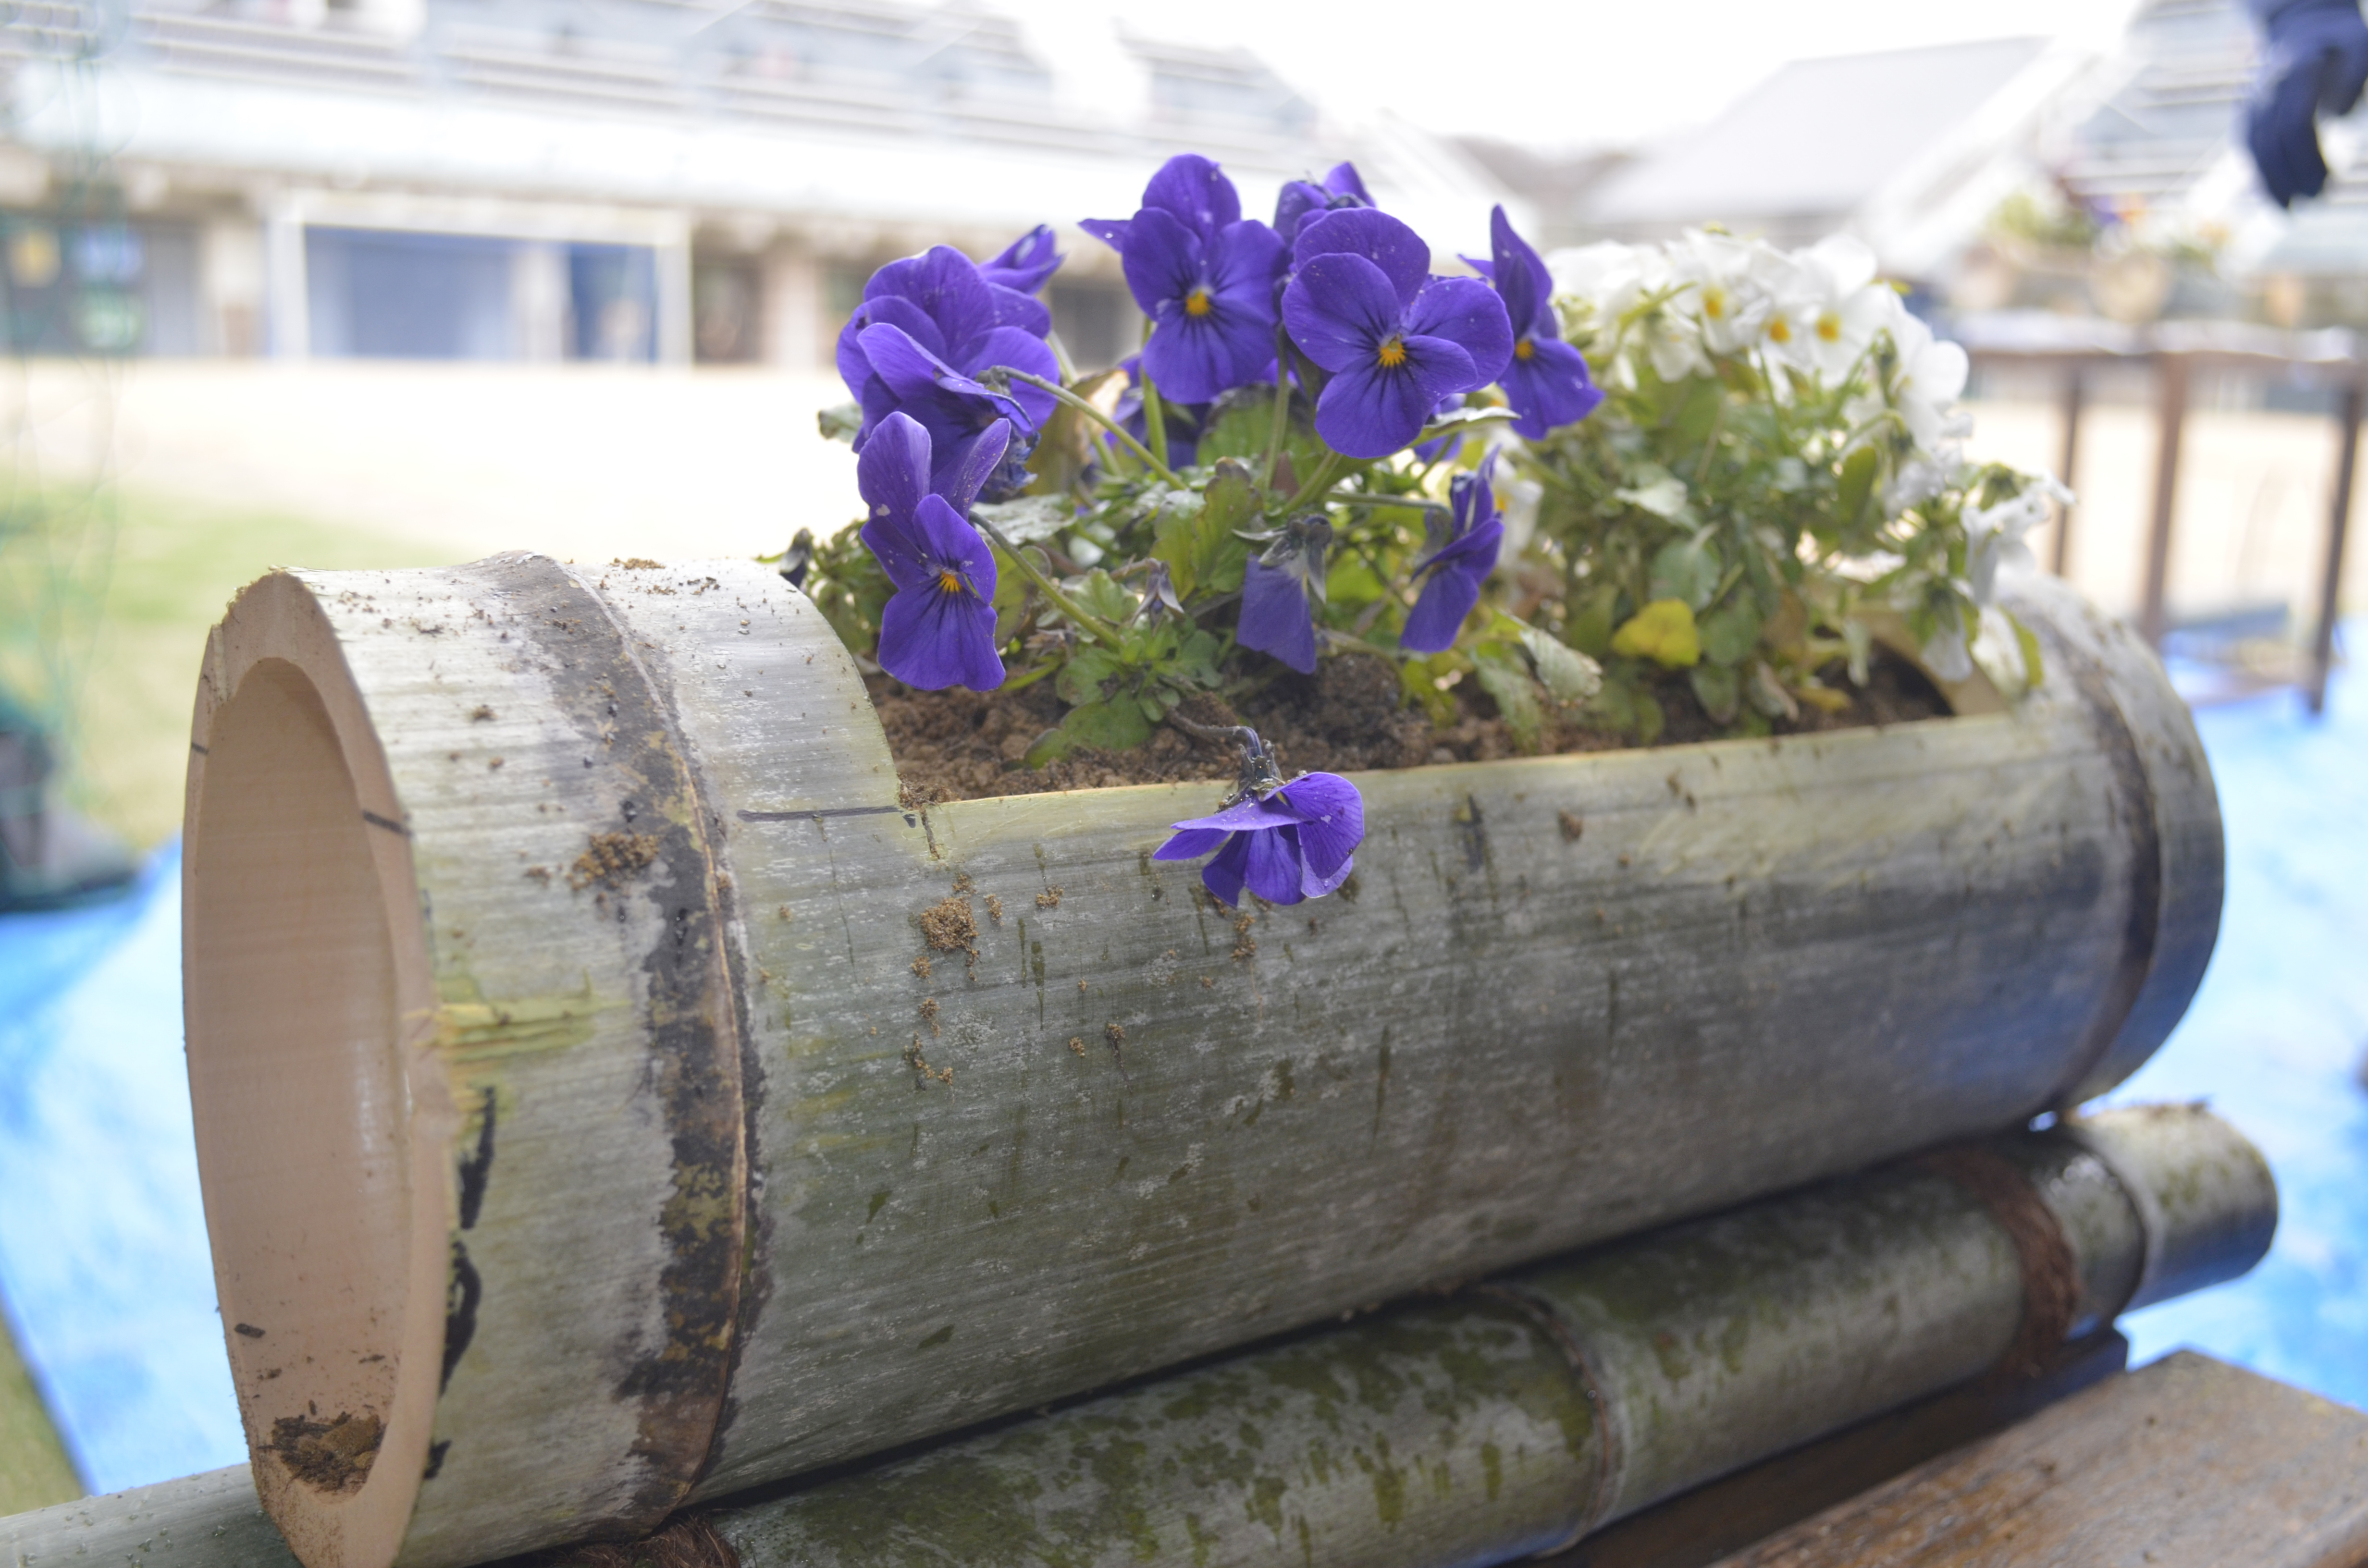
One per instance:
(609, 1096)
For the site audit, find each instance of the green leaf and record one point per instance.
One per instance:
(1112, 726)
(1857, 487)
(1588, 630)
(1030, 517)
(1081, 678)
(1507, 678)
(2034, 665)
(1731, 632)
(1685, 569)
(1567, 674)
(1650, 720)
(840, 422)
(1719, 690)
(1657, 491)
(1103, 595)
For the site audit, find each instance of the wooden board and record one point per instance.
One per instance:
(2187, 1463)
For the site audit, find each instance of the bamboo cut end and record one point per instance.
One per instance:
(325, 1200)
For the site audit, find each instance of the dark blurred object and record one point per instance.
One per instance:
(799, 556)
(50, 857)
(2317, 62)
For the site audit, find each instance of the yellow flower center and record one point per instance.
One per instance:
(1392, 353)
(1829, 327)
(1779, 331)
(1714, 303)
(1196, 304)
(1524, 350)
(949, 580)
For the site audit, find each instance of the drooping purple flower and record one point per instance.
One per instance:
(1363, 306)
(1276, 588)
(1462, 556)
(1546, 380)
(1340, 188)
(1203, 275)
(1297, 843)
(1184, 421)
(937, 629)
(928, 327)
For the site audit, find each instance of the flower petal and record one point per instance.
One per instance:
(978, 462)
(1274, 865)
(1334, 818)
(1466, 312)
(1196, 190)
(1314, 885)
(1368, 412)
(931, 639)
(1550, 388)
(1026, 262)
(945, 284)
(1274, 612)
(892, 473)
(1520, 275)
(1111, 232)
(1010, 345)
(1380, 239)
(1223, 876)
(1437, 618)
(1191, 843)
(1340, 309)
(1251, 815)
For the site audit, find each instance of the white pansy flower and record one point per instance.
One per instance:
(1728, 291)
(1833, 308)
(1927, 383)
(1995, 536)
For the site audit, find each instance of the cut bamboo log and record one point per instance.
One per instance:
(609, 1094)
(1509, 1418)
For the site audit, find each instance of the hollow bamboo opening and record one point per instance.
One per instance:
(303, 1118)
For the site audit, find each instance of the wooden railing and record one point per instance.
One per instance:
(2174, 351)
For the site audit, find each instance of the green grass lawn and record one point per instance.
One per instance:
(105, 597)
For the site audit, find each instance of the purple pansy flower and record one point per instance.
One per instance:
(1276, 586)
(1546, 381)
(939, 627)
(1203, 275)
(1365, 307)
(1341, 188)
(928, 329)
(1458, 564)
(1297, 843)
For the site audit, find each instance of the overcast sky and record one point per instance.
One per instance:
(1576, 72)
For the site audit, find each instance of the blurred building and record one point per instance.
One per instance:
(652, 180)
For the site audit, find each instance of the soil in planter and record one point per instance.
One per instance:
(1349, 715)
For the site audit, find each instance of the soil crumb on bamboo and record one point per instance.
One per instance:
(1349, 716)
(612, 859)
(333, 1455)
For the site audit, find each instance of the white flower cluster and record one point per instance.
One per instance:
(1817, 315)
(1818, 311)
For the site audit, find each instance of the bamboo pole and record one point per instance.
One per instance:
(1468, 1432)
(609, 1094)
(1506, 1420)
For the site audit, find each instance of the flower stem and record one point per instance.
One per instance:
(1064, 396)
(1101, 631)
(1281, 426)
(1318, 483)
(1154, 413)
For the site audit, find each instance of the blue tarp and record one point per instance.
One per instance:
(103, 1261)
